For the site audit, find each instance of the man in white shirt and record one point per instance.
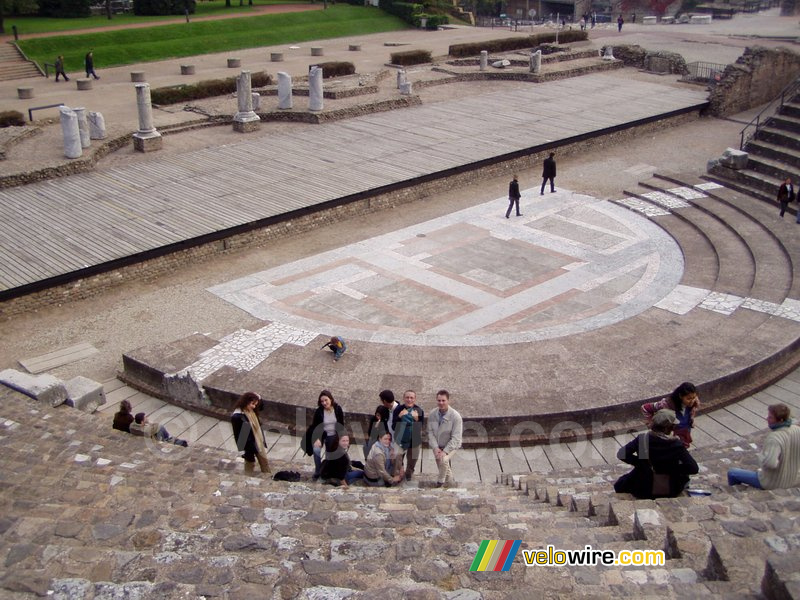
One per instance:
(445, 429)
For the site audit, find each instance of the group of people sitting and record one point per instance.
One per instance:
(138, 424)
(662, 464)
(391, 450)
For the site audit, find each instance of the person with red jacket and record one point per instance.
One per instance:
(684, 402)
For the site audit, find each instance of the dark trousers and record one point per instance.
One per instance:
(552, 184)
(64, 75)
(784, 206)
(511, 203)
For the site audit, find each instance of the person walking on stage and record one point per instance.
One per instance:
(60, 68)
(89, 63)
(513, 196)
(549, 172)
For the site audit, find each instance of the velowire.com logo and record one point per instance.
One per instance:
(495, 555)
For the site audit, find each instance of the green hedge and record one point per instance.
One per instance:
(411, 57)
(405, 10)
(336, 69)
(517, 43)
(11, 118)
(433, 21)
(69, 9)
(204, 89)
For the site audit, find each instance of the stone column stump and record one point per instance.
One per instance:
(147, 139)
(83, 127)
(24, 93)
(246, 119)
(316, 51)
(72, 135)
(234, 63)
(315, 89)
(97, 125)
(484, 59)
(137, 76)
(354, 47)
(276, 56)
(187, 69)
(284, 91)
(84, 84)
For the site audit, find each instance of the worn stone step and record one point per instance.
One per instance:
(785, 122)
(791, 109)
(779, 137)
(776, 152)
(772, 167)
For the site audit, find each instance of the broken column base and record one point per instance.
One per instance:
(246, 124)
(147, 142)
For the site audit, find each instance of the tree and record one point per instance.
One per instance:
(16, 7)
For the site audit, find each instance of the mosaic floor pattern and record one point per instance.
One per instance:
(571, 263)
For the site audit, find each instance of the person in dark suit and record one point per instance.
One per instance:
(785, 195)
(60, 68)
(513, 196)
(549, 172)
(89, 63)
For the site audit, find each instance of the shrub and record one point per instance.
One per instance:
(517, 43)
(405, 10)
(433, 21)
(411, 57)
(335, 68)
(204, 89)
(11, 118)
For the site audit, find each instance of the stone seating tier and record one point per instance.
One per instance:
(98, 513)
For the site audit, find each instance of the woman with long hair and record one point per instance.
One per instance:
(328, 423)
(684, 402)
(123, 417)
(247, 432)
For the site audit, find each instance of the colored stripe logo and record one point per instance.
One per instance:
(495, 555)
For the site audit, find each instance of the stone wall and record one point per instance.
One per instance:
(154, 267)
(640, 58)
(757, 77)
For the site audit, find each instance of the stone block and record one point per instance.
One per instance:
(700, 20)
(246, 126)
(137, 77)
(187, 69)
(85, 394)
(276, 56)
(316, 51)
(147, 143)
(84, 84)
(649, 20)
(354, 47)
(234, 63)
(43, 387)
(667, 20)
(24, 93)
(734, 159)
(405, 88)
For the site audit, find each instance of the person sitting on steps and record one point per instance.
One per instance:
(155, 431)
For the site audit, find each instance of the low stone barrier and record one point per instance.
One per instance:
(316, 51)
(43, 387)
(187, 69)
(276, 56)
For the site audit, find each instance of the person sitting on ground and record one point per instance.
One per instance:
(685, 402)
(337, 468)
(337, 346)
(655, 453)
(248, 434)
(780, 459)
(123, 417)
(154, 430)
(379, 467)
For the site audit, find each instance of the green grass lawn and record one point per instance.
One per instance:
(204, 8)
(122, 47)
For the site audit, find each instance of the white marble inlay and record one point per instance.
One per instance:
(646, 208)
(709, 185)
(687, 193)
(666, 200)
(682, 299)
(721, 303)
(244, 350)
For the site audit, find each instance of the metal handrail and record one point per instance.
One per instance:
(789, 91)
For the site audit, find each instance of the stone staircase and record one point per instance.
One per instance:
(729, 543)
(89, 512)
(773, 155)
(14, 65)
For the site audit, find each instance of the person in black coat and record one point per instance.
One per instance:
(89, 64)
(549, 172)
(328, 421)
(656, 451)
(337, 468)
(247, 432)
(123, 417)
(786, 195)
(513, 197)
